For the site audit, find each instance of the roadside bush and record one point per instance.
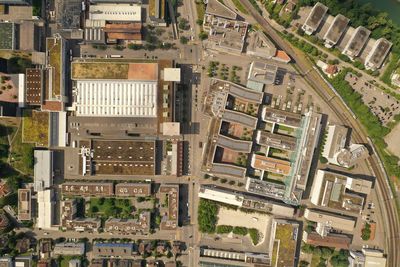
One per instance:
(240, 230)
(254, 235)
(224, 229)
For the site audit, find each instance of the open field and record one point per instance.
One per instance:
(35, 127)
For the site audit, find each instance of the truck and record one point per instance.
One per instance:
(115, 56)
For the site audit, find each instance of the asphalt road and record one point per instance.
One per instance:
(359, 134)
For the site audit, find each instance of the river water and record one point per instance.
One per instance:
(392, 7)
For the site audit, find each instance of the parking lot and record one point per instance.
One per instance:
(382, 105)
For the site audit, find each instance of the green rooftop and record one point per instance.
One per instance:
(7, 35)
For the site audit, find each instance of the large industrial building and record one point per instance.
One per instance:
(131, 93)
(113, 23)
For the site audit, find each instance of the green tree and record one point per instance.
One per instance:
(184, 40)
(203, 35)
(207, 216)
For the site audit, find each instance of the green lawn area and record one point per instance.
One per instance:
(35, 127)
(240, 7)
(21, 154)
(110, 207)
(55, 62)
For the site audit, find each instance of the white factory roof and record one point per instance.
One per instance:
(115, 12)
(116, 98)
(43, 169)
(221, 196)
(45, 209)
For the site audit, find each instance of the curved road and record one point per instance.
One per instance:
(359, 134)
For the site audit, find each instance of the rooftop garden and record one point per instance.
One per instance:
(55, 49)
(35, 127)
(287, 245)
(94, 70)
(6, 35)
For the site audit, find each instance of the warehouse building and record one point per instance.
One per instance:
(115, 90)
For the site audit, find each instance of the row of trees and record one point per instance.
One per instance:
(336, 258)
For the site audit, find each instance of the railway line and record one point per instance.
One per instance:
(389, 211)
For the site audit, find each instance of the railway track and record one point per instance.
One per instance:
(389, 212)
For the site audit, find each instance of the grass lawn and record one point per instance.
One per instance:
(240, 7)
(65, 260)
(109, 70)
(22, 154)
(35, 127)
(111, 207)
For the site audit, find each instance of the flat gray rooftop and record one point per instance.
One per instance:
(337, 28)
(357, 41)
(245, 93)
(228, 170)
(262, 72)
(281, 116)
(316, 15)
(237, 117)
(236, 145)
(214, 7)
(277, 140)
